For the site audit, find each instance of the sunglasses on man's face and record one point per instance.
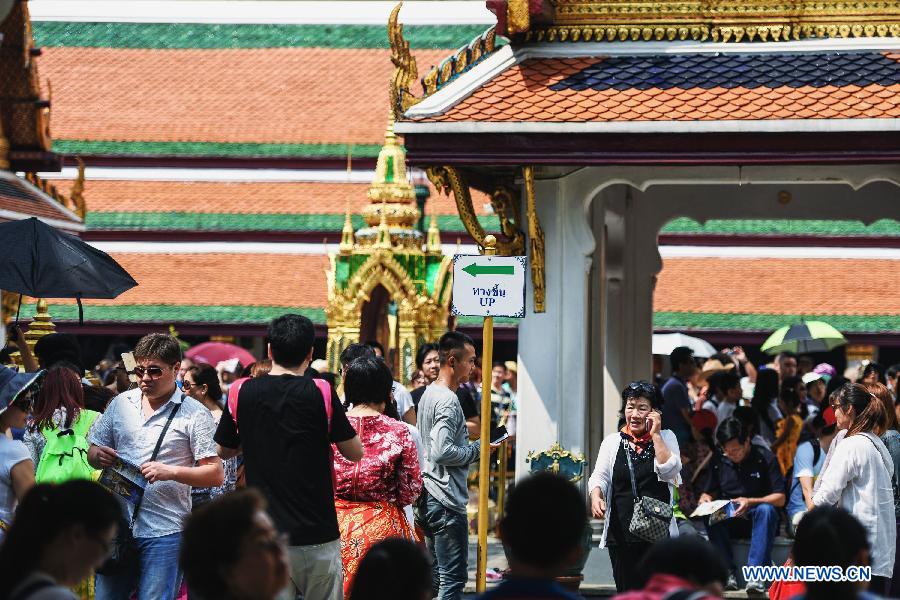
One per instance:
(153, 372)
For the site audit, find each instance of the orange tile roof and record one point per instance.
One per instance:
(742, 286)
(21, 197)
(216, 279)
(777, 286)
(244, 197)
(277, 95)
(563, 90)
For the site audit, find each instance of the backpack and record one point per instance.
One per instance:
(324, 388)
(64, 456)
(805, 436)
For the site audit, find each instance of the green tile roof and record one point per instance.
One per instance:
(767, 323)
(221, 36)
(187, 221)
(213, 149)
(188, 313)
(182, 313)
(684, 225)
(174, 313)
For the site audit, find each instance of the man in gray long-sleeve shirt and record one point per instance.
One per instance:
(441, 510)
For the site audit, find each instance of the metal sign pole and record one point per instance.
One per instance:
(484, 471)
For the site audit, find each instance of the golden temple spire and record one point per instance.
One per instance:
(433, 241)
(347, 237)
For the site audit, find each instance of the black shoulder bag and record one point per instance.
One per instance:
(123, 555)
(651, 518)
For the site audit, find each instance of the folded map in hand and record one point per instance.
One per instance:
(124, 479)
(717, 510)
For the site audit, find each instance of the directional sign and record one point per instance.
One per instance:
(489, 286)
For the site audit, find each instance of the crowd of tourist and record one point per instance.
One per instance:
(279, 480)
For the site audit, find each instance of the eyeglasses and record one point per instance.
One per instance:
(836, 407)
(153, 372)
(186, 385)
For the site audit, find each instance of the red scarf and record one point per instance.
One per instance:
(641, 442)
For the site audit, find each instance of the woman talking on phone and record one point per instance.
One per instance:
(631, 487)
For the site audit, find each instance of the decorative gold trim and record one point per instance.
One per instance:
(405, 69)
(464, 59)
(535, 242)
(75, 201)
(518, 19)
(448, 180)
(9, 305)
(557, 453)
(505, 201)
(76, 196)
(717, 20)
(347, 238)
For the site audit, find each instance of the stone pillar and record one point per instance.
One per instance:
(553, 349)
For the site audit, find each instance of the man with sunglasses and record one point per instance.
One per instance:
(136, 421)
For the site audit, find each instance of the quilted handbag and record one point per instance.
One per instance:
(651, 517)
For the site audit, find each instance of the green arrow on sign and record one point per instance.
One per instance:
(475, 270)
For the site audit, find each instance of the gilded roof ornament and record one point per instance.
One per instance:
(347, 238)
(390, 253)
(433, 241)
(696, 20)
(464, 59)
(405, 70)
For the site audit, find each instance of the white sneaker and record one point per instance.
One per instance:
(731, 585)
(756, 587)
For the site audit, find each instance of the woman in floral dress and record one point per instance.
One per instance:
(370, 495)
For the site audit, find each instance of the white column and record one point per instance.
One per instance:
(553, 346)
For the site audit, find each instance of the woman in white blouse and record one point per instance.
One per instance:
(657, 466)
(858, 477)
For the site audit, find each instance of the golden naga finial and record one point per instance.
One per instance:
(405, 70)
(76, 196)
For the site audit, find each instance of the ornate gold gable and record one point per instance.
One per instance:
(25, 143)
(387, 276)
(699, 20)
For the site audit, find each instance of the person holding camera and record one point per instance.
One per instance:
(633, 483)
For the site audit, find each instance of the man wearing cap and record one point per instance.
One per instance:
(808, 461)
(815, 393)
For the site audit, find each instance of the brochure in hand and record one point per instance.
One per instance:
(717, 510)
(124, 479)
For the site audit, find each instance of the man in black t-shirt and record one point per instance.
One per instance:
(750, 477)
(284, 433)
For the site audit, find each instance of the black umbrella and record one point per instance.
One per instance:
(40, 261)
